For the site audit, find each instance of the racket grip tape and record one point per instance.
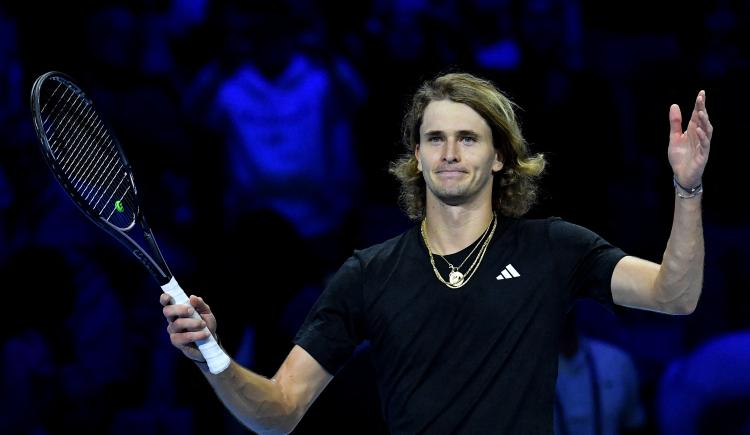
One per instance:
(215, 356)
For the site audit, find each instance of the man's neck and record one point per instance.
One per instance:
(453, 228)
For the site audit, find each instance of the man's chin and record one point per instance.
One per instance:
(453, 198)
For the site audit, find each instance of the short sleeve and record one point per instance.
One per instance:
(333, 328)
(585, 259)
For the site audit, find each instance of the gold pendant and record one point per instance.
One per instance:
(456, 277)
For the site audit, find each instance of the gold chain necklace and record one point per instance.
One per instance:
(455, 275)
(456, 279)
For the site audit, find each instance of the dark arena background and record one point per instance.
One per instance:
(260, 134)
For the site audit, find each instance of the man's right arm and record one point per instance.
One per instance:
(273, 405)
(264, 405)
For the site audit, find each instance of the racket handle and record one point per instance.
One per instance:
(215, 356)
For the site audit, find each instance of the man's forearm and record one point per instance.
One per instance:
(257, 402)
(680, 278)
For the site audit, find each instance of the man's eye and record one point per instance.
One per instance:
(435, 139)
(469, 139)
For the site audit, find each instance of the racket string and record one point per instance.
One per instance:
(42, 111)
(86, 153)
(74, 154)
(63, 122)
(88, 156)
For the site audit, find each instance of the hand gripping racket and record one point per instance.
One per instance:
(89, 163)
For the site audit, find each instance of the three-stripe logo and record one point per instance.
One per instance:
(508, 272)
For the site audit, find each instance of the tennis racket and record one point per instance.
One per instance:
(88, 161)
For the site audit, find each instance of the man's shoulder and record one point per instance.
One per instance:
(545, 221)
(533, 221)
(526, 225)
(385, 248)
(557, 226)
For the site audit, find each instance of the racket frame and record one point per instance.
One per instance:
(216, 358)
(154, 262)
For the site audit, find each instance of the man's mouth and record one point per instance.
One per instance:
(451, 171)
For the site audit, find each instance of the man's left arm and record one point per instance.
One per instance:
(674, 286)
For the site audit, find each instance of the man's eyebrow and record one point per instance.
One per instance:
(459, 132)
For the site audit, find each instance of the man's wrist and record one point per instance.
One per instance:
(686, 192)
(203, 365)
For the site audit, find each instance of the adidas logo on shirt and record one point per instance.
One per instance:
(508, 272)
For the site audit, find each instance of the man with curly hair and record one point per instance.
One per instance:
(463, 312)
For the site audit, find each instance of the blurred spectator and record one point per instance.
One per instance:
(282, 114)
(12, 97)
(12, 111)
(150, 407)
(67, 362)
(34, 342)
(708, 391)
(495, 45)
(598, 391)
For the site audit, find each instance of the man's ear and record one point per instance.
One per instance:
(497, 165)
(416, 155)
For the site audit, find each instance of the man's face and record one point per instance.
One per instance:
(455, 153)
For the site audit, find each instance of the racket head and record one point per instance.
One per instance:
(83, 153)
(87, 160)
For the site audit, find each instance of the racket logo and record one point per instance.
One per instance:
(119, 207)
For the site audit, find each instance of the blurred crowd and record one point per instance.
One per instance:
(260, 134)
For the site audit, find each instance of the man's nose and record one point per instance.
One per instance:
(451, 151)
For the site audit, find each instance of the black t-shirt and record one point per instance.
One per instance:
(478, 359)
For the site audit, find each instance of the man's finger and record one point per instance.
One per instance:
(187, 325)
(165, 300)
(200, 306)
(675, 120)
